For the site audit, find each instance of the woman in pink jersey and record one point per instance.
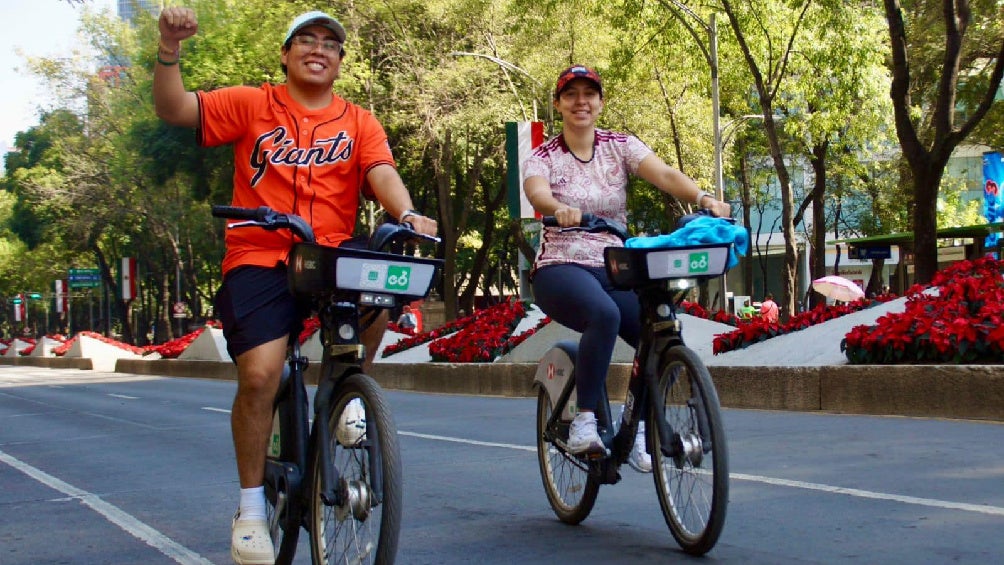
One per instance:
(586, 170)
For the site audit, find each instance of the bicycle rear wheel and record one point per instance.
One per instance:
(364, 528)
(570, 488)
(693, 484)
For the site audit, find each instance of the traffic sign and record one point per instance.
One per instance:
(85, 278)
(180, 310)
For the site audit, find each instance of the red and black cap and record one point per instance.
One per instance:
(574, 72)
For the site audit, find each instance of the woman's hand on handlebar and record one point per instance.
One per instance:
(719, 208)
(568, 216)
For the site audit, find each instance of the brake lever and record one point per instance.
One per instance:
(247, 223)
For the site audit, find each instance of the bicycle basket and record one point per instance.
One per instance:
(629, 267)
(317, 269)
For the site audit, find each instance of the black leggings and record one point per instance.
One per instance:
(582, 299)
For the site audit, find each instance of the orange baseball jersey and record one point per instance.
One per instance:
(312, 163)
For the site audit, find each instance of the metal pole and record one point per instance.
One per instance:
(69, 306)
(716, 121)
(177, 289)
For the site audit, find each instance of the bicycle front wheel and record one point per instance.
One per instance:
(364, 527)
(693, 480)
(570, 488)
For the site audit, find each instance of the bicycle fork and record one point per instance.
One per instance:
(663, 330)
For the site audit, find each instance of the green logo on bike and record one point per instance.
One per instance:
(398, 278)
(699, 263)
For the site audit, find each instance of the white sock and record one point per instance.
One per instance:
(252, 503)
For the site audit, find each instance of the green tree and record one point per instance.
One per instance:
(945, 56)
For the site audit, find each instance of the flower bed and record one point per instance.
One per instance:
(425, 337)
(486, 337)
(31, 346)
(394, 327)
(757, 329)
(720, 316)
(61, 350)
(963, 323)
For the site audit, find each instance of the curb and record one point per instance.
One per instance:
(973, 392)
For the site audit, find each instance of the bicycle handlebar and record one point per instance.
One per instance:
(268, 219)
(590, 223)
(684, 220)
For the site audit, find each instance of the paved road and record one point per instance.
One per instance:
(113, 469)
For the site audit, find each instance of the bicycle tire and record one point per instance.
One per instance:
(571, 489)
(693, 487)
(361, 530)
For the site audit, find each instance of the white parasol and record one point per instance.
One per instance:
(838, 288)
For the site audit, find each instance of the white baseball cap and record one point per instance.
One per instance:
(315, 18)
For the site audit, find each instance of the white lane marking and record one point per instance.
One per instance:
(981, 508)
(125, 396)
(929, 502)
(211, 409)
(467, 441)
(127, 522)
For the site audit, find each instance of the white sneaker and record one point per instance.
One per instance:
(351, 424)
(250, 542)
(639, 459)
(583, 437)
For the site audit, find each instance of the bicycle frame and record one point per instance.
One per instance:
(302, 479)
(313, 271)
(652, 275)
(659, 333)
(670, 390)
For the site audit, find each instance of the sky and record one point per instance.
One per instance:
(39, 28)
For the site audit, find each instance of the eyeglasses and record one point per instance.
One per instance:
(312, 41)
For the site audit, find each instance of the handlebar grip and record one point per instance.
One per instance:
(552, 222)
(237, 213)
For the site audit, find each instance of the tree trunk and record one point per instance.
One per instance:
(818, 267)
(766, 91)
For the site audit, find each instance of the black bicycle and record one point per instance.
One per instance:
(339, 476)
(670, 389)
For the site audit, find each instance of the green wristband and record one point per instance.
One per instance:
(166, 63)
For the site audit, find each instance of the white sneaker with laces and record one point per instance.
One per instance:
(639, 459)
(583, 437)
(250, 542)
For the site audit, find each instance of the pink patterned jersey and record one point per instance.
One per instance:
(597, 186)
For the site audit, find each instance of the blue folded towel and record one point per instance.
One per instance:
(700, 231)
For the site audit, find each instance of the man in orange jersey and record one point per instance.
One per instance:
(298, 148)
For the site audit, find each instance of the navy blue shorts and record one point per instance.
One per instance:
(255, 306)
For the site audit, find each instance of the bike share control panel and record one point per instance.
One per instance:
(316, 268)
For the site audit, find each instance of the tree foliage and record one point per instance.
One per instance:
(101, 178)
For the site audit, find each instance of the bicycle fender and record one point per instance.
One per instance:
(554, 370)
